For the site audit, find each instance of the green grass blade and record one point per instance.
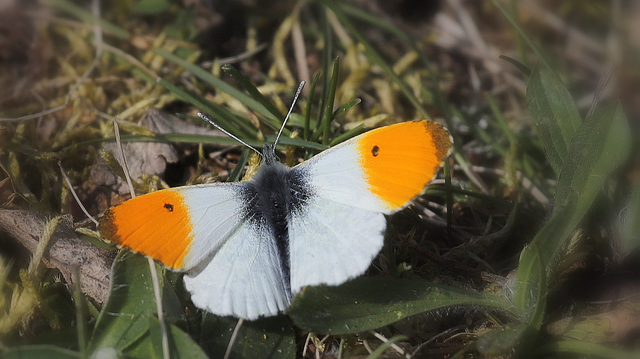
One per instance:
(205, 76)
(297, 142)
(204, 139)
(554, 114)
(369, 303)
(198, 103)
(328, 111)
(522, 35)
(434, 84)
(347, 135)
(327, 53)
(346, 107)
(242, 161)
(252, 90)
(86, 16)
(174, 137)
(310, 99)
(376, 58)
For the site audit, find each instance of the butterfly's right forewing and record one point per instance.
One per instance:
(341, 228)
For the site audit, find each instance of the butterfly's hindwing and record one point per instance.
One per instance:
(243, 278)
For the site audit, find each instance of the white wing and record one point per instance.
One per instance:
(331, 242)
(215, 214)
(244, 277)
(337, 175)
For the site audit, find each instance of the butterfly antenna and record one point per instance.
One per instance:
(295, 99)
(207, 119)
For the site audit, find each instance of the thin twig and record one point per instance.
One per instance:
(234, 336)
(75, 195)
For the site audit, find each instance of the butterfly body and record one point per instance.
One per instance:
(249, 247)
(273, 193)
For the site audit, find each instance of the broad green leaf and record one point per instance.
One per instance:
(554, 114)
(125, 316)
(263, 338)
(369, 303)
(535, 296)
(141, 348)
(599, 146)
(39, 352)
(181, 345)
(534, 259)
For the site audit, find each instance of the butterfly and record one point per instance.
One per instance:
(248, 248)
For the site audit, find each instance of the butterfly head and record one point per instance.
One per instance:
(269, 155)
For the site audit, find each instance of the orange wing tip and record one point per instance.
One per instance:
(157, 225)
(400, 160)
(108, 229)
(441, 138)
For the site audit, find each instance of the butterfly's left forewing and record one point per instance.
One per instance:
(180, 226)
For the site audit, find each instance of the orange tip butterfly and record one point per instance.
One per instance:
(249, 247)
